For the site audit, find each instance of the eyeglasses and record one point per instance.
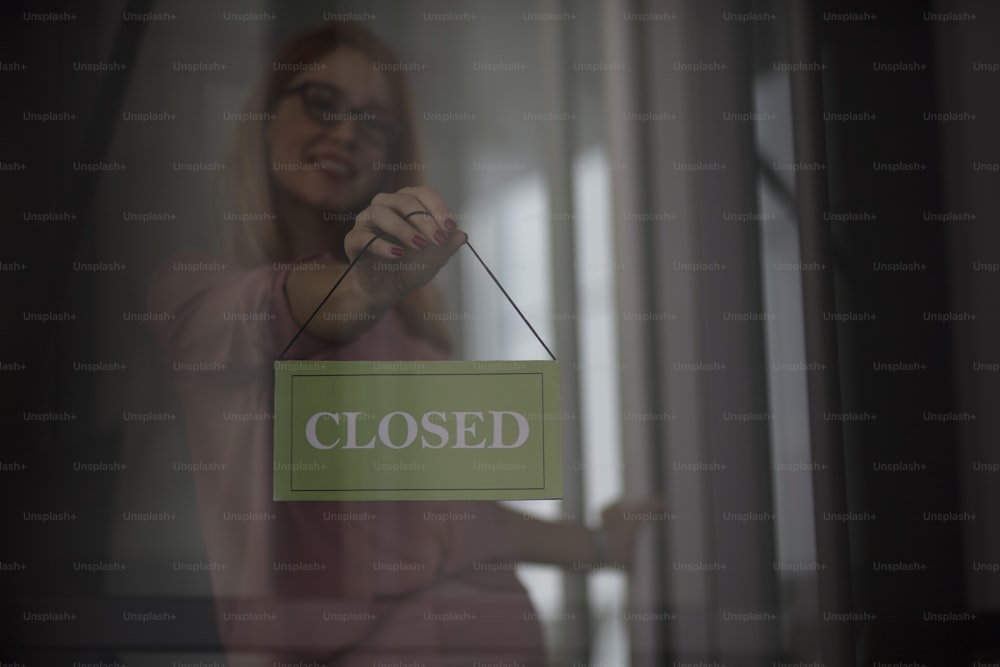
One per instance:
(327, 105)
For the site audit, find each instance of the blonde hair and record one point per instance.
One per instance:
(247, 186)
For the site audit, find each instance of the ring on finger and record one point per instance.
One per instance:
(421, 212)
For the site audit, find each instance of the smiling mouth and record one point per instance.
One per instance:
(336, 168)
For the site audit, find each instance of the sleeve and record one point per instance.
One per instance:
(204, 310)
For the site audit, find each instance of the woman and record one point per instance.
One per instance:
(344, 583)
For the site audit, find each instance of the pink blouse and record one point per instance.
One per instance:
(342, 583)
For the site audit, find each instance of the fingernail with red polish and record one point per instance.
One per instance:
(397, 251)
(440, 237)
(450, 224)
(420, 241)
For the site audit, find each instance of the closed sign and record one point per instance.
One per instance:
(411, 430)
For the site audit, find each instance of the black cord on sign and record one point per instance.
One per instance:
(355, 261)
(539, 338)
(328, 295)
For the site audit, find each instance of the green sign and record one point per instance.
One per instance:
(417, 430)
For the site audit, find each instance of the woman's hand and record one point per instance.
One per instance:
(417, 236)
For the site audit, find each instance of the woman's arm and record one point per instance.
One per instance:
(563, 543)
(572, 544)
(344, 316)
(349, 312)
